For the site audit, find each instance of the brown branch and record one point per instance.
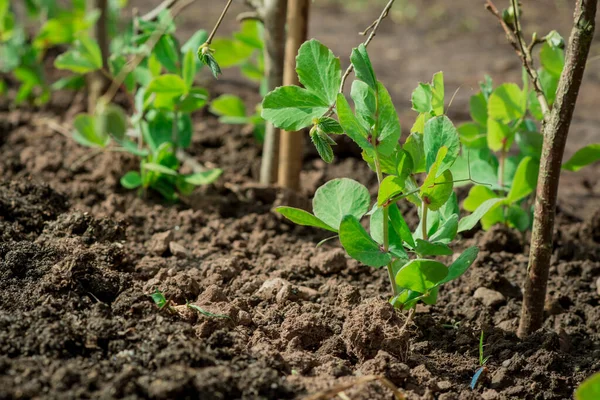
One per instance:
(555, 133)
(516, 40)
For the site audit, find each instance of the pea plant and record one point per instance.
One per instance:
(162, 94)
(503, 143)
(21, 56)
(340, 205)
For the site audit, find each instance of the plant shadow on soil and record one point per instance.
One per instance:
(79, 256)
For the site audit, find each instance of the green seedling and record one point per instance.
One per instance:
(427, 155)
(163, 95)
(161, 301)
(482, 361)
(232, 110)
(204, 312)
(503, 143)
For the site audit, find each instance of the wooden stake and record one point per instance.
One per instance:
(292, 143)
(273, 15)
(555, 137)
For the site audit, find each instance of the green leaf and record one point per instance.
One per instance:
(338, 198)
(390, 187)
(161, 169)
(499, 136)
(552, 59)
(478, 109)
(183, 139)
(583, 157)
(83, 58)
(228, 105)
(203, 178)
(426, 248)
(415, 148)
(302, 217)
(421, 275)
(292, 108)
(166, 50)
(477, 196)
(208, 59)
(353, 128)
(359, 245)
(525, 180)
(436, 190)
(194, 100)
(440, 132)
(389, 124)
(159, 299)
(507, 103)
(189, 68)
(447, 231)
(330, 125)
(74, 82)
(169, 84)
(530, 143)
(438, 93)
(472, 135)
(589, 389)
(468, 222)
(460, 266)
(112, 121)
(319, 71)
(400, 226)
(422, 97)
(518, 218)
(85, 132)
(363, 68)
(131, 180)
(323, 144)
(365, 104)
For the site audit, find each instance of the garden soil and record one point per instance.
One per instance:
(80, 255)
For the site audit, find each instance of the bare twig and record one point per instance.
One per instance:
(373, 28)
(334, 391)
(516, 40)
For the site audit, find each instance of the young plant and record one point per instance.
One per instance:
(482, 361)
(162, 92)
(503, 143)
(341, 204)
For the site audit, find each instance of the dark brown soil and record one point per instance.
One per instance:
(79, 256)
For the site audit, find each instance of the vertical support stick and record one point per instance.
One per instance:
(292, 143)
(555, 137)
(273, 16)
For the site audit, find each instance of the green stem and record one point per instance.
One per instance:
(386, 237)
(424, 210)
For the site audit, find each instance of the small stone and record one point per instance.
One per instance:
(444, 385)
(489, 297)
(159, 243)
(448, 396)
(178, 250)
(185, 313)
(244, 318)
(501, 378)
(598, 286)
(509, 325)
(490, 394)
(270, 288)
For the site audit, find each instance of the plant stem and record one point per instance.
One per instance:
(501, 168)
(424, 211)
(555, 133)
(175, 130)
(218, 24)
(273, 14)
